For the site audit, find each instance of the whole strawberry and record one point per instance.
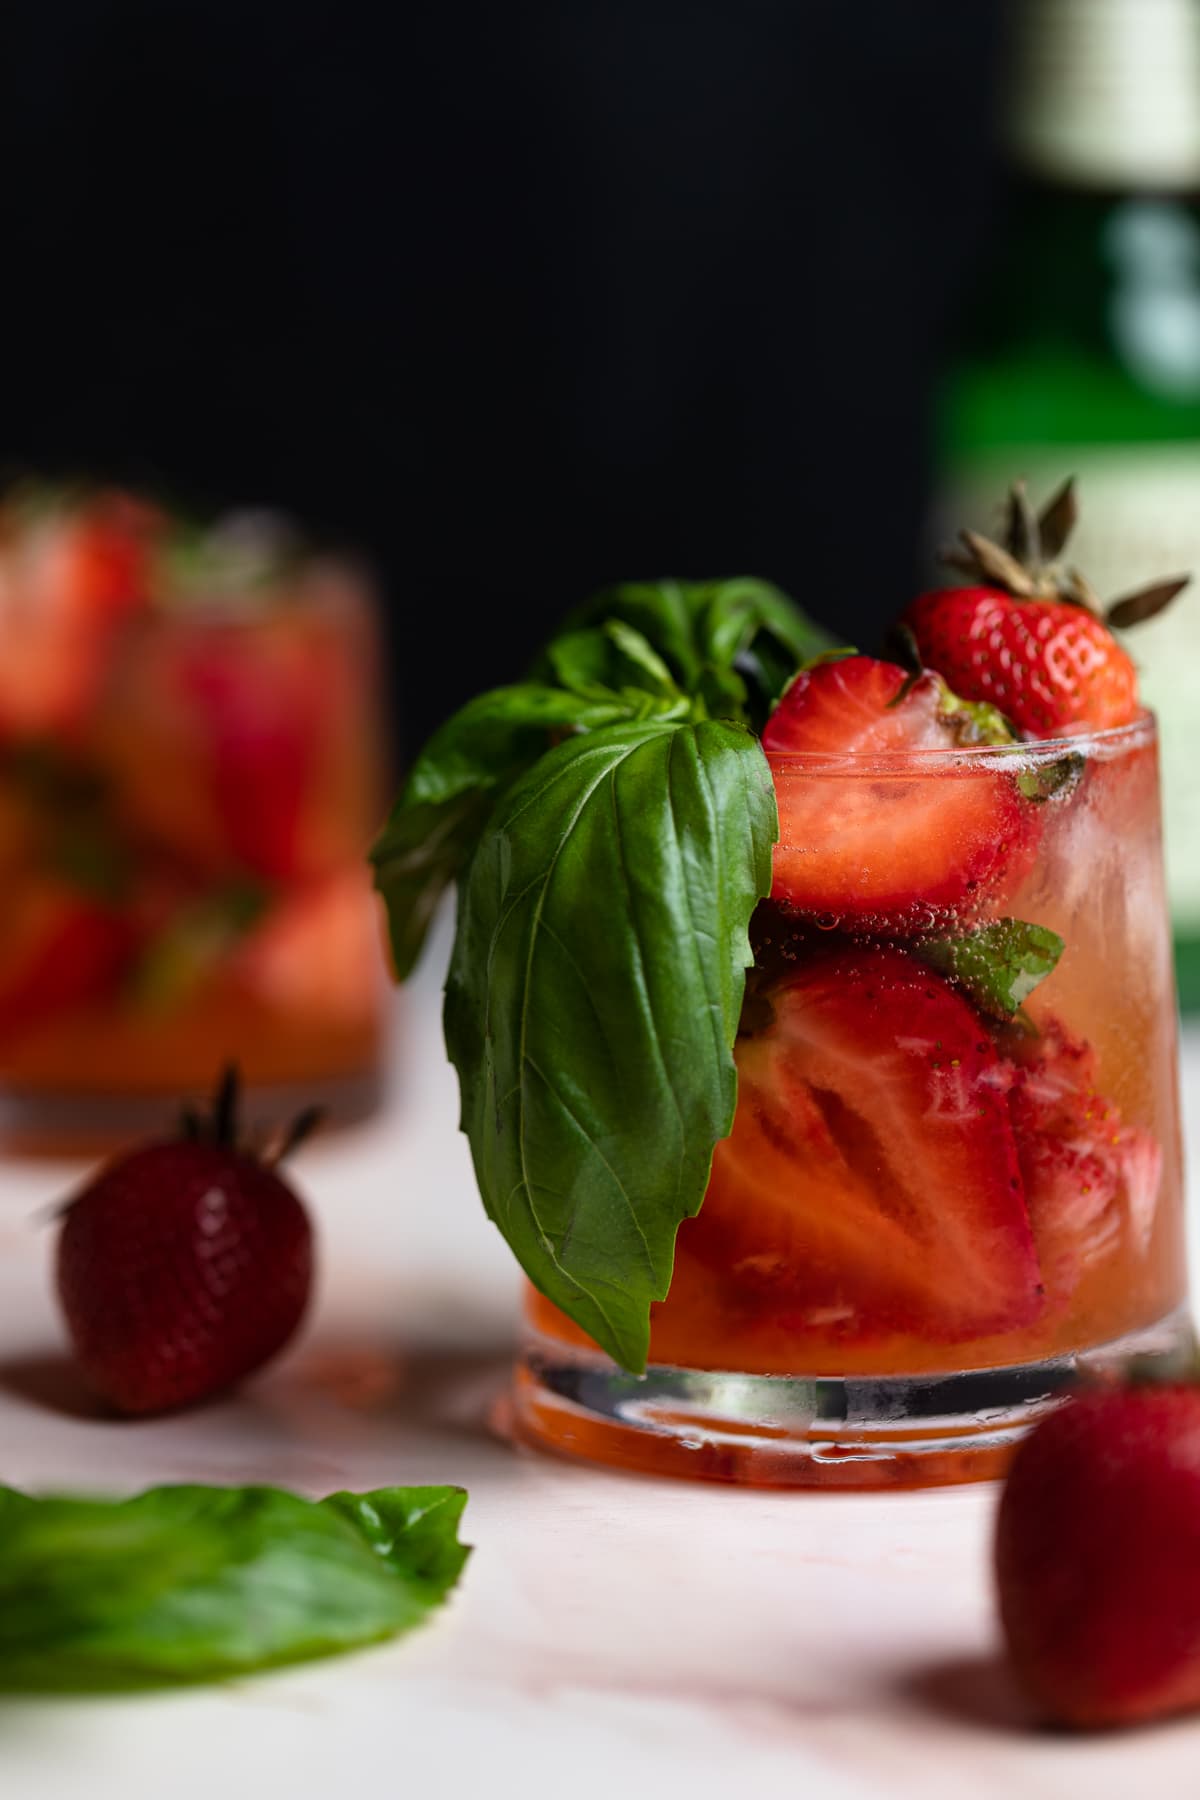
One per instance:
(1098, 1557)
(184, 1265)
(1026, 632)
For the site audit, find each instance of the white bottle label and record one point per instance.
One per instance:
(1104, 92)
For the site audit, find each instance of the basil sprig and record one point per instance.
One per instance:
(731, 645)
(183, 1584)
(667, 650)
(610, 823)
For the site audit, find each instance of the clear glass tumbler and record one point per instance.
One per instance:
(953, 1184)
(190, 774)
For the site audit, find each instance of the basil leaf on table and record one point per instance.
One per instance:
(194, 1583)
(593, 1001)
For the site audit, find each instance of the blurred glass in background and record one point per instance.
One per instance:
(1081, 353)
(190, 773)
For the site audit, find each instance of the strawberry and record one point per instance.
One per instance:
(1097, 1557)
(215, 739)
(871, 1175)
(873, 846)
(259, 709)
(1091, 1181)
(71, 574)
(184, 1265)
(59, 949)
(318, 952)
(1026, 634)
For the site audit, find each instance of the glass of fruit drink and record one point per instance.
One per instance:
(189, 768)
(939, 1196)
(948, 1180)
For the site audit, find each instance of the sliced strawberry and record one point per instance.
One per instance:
(60, 950)
(874, 846)
(69, 578)
(108, 554)
(319, 952)
(260, 715)
(1091, 1181)
(871, 1178)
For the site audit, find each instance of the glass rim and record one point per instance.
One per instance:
(1102, 745)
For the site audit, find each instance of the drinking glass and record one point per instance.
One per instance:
(935, 1211)
(184, 813)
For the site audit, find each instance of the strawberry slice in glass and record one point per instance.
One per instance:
(871, 1181)
(878, 845)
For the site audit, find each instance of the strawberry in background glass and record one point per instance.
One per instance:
(73, 572)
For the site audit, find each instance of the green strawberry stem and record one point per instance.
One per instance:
(221, 1124)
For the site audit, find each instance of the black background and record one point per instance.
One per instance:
(521, 299)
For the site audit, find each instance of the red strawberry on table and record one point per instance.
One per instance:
(1025, 632)
(1098, 1557)
(183, 1266)
(871, 845)
(871, 1173)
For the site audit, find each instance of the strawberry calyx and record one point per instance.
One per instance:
(220, 1124)
(1028, 565)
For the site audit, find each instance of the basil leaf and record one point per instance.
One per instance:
(613, 660)
(195, 1583)
(593, 1000)
(735, 644)
(1055, 780)
(499, 732)
(444, 804)
(999, 965)
(419, 852)
(670, 650)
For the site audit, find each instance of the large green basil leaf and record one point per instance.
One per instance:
(443, 807)
(444, 804)
(194, 1583)
(593, 1000)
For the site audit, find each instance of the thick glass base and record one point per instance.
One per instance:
(793, 1431)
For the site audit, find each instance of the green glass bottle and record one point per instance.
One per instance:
(1081, 354)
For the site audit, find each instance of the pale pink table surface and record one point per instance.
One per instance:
(613, 1636)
